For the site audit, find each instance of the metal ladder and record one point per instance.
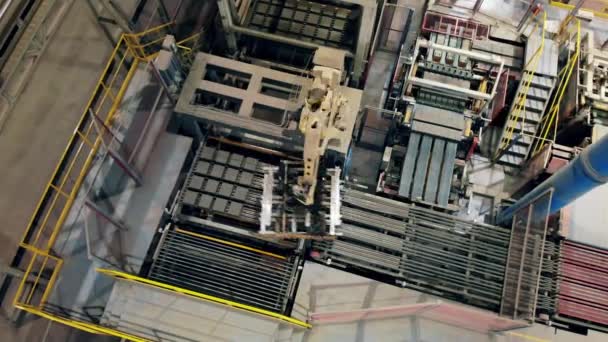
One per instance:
(530, 102)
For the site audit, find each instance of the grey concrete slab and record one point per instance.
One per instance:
(326, 290)
(44, 117)
(34, 137)
(421, 167)
(139, 208)
(409, 165)
(160, 315)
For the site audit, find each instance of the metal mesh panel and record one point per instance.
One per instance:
(524, 263)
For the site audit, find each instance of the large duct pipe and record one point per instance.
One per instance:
(584, 173)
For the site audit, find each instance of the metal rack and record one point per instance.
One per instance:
(305, 20)
(225, 269)
(419, 248)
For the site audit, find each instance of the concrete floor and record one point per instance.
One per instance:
(326, 290)
(35, 136)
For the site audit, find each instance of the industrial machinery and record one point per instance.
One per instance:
(227, 161)
(445, 97)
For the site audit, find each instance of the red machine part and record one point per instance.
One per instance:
(583, 283)
(454, 26)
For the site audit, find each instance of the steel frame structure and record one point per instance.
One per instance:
(62, 190)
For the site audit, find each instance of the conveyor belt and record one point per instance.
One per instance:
(425, 249)
(224, 269)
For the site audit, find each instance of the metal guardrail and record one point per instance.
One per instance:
(520, 98)
(550, 121)
(175, 289)
(525, 259)
(63, 188)
(569, 7)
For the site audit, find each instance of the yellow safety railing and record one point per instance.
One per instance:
(68, 177)
(520, 99)
(186, 49)
(146, 44)
(85, 326)
(570, 7)
(175, 289)
(550, 121)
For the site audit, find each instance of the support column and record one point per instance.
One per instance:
(226, 10)
(118, 158)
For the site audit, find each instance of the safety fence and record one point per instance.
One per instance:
(599, 8)
(95, 137)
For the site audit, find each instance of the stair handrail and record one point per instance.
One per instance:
(521, 96)
(550, 121)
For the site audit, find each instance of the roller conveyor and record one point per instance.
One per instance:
(371, 237)
(225, 269)
(439, 253)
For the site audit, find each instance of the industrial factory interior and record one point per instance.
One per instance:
(304, 170)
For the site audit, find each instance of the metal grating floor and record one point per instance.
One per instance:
(224, 269)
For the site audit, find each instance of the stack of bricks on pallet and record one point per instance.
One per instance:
(223, 182)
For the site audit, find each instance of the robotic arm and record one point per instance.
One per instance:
(322, 120)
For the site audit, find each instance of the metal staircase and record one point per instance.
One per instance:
(530, 101)
(569, 38)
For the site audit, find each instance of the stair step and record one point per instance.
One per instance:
(524, 140)
(527, 127)
(517, 149)
(527, 115)
(540, 81)
(511, 159)
(534, 104)
(538, 93)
